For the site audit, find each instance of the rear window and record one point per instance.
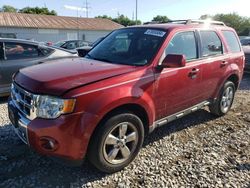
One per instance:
(232, 41)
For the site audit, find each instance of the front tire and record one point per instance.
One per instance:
(116, 142)
(225, 100)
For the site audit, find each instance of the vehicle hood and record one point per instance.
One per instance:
(56, 77)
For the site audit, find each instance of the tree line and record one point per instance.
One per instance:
(239, 23)
(29, 10)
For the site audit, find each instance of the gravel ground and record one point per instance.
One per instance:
(196, 151)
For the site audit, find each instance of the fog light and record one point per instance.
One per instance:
(48, 144)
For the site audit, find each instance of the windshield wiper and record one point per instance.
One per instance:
(98, 59)
(103, 59)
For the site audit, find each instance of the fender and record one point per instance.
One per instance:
(113, 98)
(233, 69)
(105, 102)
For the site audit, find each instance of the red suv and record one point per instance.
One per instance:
(135, 80)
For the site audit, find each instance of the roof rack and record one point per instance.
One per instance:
(190, 21)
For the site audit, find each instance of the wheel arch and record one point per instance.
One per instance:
(134, 108)
(233, 77)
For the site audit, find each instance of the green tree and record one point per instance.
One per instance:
(239, 23)
(161, 19)
(8, 8)
(37, 10)
(124, 20)
(121, 19)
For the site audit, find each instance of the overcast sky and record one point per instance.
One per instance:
(147, 9)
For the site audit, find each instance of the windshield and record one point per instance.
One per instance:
(133, 46)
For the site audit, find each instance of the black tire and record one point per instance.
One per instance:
(217, 108)
(97, 152)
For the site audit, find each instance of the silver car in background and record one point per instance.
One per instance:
(16, 54)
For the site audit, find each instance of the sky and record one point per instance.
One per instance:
(147, 9)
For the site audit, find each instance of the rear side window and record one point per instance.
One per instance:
(183, 43)
(211, 44)
(15, 51)
(232, 41)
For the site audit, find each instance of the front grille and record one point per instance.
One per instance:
(23, 100)
(247, 59)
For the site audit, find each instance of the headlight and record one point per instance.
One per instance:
(51, 107)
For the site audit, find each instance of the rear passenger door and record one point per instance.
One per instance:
(215, 62)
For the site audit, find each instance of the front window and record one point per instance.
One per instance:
(15, 51)
(133, 46)
(183, 43)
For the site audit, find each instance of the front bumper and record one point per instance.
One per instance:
(65, 131)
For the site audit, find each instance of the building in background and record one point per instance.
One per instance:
(46, 28)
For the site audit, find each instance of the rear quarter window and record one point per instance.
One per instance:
(231, 40)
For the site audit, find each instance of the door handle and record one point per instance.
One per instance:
(193, 73)
(224, 63)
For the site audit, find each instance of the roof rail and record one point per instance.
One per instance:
(190, 21)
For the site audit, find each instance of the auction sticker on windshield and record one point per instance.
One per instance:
(157, 33)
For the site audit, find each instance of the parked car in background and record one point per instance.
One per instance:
(82, 51)
(16, 54)
(245, 41)
(135, 80)
(246, 50)
(72, 44)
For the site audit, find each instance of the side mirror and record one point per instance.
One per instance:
(83, 52)
(173, 61)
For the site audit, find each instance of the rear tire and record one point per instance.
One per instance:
(116, 142)
(225, 100)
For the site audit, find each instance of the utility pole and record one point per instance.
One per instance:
(87, 8)
(136, 11)
(78, 32)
